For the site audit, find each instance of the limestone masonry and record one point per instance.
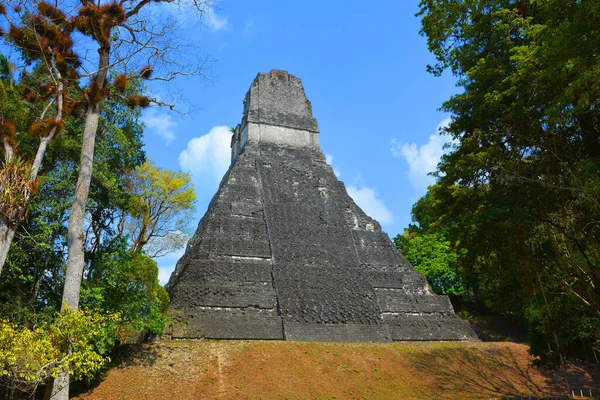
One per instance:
(284, 253)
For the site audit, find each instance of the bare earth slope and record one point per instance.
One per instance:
(303, 370)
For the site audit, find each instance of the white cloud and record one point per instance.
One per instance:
(209, 154)
(422, 159)
(366, 198)
(161, 123)
(329, 160)
(215, 22)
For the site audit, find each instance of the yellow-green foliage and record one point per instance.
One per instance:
(174, 187)
(73, 342)
(162, 205)
(25, 352)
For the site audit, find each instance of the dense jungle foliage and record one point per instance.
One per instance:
(82, 212)
(512, 223)
(121, 299)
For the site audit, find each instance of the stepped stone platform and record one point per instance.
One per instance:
(284, 253)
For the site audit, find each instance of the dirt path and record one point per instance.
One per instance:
(300, 370)
(220, 357)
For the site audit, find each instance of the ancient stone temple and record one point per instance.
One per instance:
(284, 253)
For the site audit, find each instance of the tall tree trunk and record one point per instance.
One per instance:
(7, 233)
(60, 387)
(8, 151)
(75, 234)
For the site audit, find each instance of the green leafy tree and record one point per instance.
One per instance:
(125, 283)
(35, 269)
(432, 256)
(116, 280)
(163, 204)
(119, 33)
(43, 39)
(426, 246)
(47, 34)
(519, 192)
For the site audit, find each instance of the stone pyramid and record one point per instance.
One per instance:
(284, 253)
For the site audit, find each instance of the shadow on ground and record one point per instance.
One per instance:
(496, 372)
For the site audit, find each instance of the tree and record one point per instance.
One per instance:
(35, 269)
(432, 256)
(122, 36)
(75, 341)
(163, 206)
(31, 285)
(519, 192)
(426, 246)
(17, 177)
(125, 283)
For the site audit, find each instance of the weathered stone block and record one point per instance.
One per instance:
(428, 327)
(397, 301)
(232, 270)
(227, 325)
(232, 295)
(240, 245)
(336, 332)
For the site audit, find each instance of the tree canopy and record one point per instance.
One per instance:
(163, 204)
(118, 283)
(87, 55)
(518, 193)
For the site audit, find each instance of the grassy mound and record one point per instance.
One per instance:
(301, 370)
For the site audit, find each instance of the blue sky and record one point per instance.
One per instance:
(363, 68)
